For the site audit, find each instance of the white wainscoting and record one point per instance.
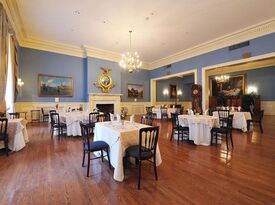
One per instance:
(185, 104)
(136, 107)
(268, 107)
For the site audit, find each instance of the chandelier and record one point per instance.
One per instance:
(222, 78)
(130, 60)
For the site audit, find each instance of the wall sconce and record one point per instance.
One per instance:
(165, 92)
(179, 93)
(252, 89)
(20, 83)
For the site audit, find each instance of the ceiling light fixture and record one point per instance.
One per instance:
(130, 61)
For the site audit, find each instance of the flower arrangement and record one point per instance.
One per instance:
(124, 112)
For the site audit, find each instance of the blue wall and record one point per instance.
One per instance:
(85, 72)
(32, 62)
(258, 46)
(263, 79)
(184, 84)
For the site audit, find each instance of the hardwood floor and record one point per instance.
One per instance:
(49, 172)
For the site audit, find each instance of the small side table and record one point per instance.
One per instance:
(25, 114)
(35, 115)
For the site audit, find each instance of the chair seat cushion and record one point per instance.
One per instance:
(96, 146)
(219, 129)
(133, 151)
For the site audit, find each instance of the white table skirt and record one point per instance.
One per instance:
(157, 111)
(119, 138)
(18, 135)
(199, 127)
(239, 119)
(72, 120)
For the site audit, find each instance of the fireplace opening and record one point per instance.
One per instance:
(105, 108)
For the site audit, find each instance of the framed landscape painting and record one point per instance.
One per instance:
(55, 86)
(135, 91)
(233, 88)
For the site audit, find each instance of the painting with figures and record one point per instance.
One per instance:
(135, 91)
(54, 86)
(233, 88)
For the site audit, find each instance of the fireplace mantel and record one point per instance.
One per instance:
(105, 98)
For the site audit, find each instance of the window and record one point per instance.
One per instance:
(9, 97)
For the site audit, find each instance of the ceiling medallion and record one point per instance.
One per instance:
(130, 60)
(105, 81)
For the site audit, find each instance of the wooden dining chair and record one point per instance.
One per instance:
(103, 118)
(146, 120)
(45, 116)
(90, 147)
(3, 133)
(56, 124)
(177, 128)
(91, 123)
(164, 114)
(14, 115)
(257, 117)
(225, 129)
(2, 114)
(145, 150)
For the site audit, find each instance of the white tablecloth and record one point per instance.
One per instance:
(199, 127)
(158, 112)
(18, 135)
(239, 119)
(119, 137)
(72, 120)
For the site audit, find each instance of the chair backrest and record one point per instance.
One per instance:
(258, 116)
(102, 117)
(149, 109)
(148, 139)
(2, 114)
(14, 115)
(42, 111)
(163, 110)
(146, 120)
(175, 119)
(223, 114)
(54, 118)
(52, 111)
(3, 126)
(85, 135)
(93, 117)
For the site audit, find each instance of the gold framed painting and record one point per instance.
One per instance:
(55, 86)
(235, 86)
(135, 91)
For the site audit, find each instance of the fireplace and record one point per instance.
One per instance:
(105, 99)
(106, 108)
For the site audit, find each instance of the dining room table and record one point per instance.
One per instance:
(72, 121)
(119, 136)
(157, 111)
(239, 119)
(199, 127)
(17, 134)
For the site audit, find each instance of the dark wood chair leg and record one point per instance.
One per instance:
(172, 135)
(216, 138)
(101, 155)
(7, 147)
(88, 167)
(139, 173)
(226, 136)
(155, 169)
(108, 156)
(83, 159)
(52, 130)
(211, 142)
(261, 127)
(231, 139)
(178, 136)
(248, 125)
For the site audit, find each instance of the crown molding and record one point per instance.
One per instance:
(245, 34)
(24, 40)
(54, 47)
(13, 13)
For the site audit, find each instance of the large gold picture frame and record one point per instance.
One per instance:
(55, 86)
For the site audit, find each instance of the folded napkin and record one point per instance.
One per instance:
(239, 108)
(132, 119)
(112, 117)
(118, 117)
(190, 112)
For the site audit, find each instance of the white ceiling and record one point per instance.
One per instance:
(160, 27)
